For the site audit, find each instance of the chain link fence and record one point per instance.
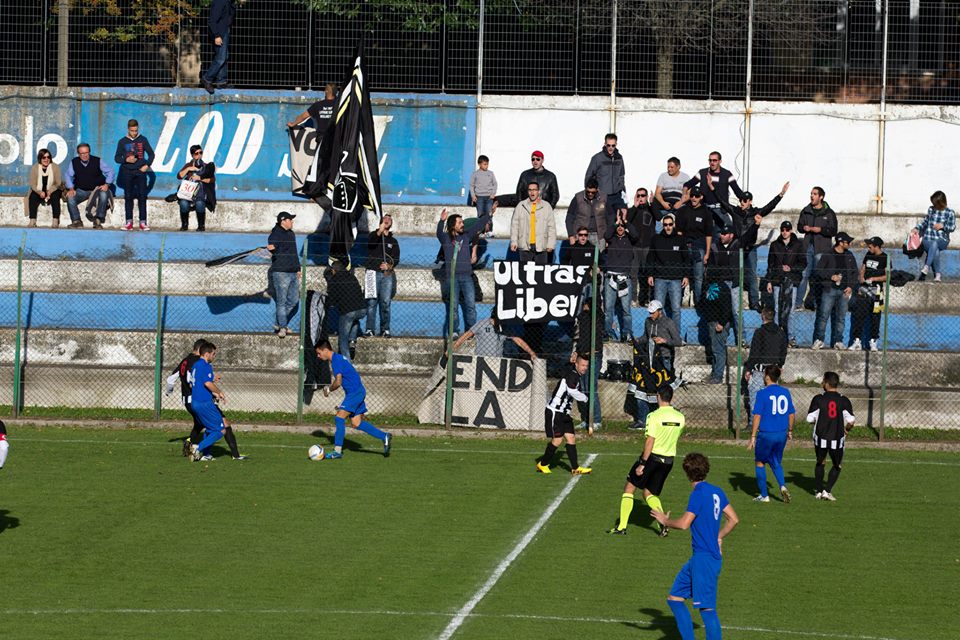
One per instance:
(828, 51)
(103, 328)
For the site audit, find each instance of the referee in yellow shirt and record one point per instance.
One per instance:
(650, 471)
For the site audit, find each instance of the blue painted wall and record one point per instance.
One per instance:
(426, 149)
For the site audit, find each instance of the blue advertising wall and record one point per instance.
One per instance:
(425, 143)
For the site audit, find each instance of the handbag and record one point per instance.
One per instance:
(188, 189)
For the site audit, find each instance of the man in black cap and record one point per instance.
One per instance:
(869, 299)
(285, 270)
(839, 276)
(695, 224)
(785, 266)
(743, 216)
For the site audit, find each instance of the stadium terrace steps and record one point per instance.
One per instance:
(259, 217)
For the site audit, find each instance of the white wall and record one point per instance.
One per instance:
(830, 145)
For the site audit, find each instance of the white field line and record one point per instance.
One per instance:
(471, 604)
(747, 456)
(418, 614)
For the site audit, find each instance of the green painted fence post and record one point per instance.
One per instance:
(303, 328)
(158, 338)
(17, 371)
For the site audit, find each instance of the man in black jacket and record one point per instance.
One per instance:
(716, 312)
(549, 189)
(839, 275)
(383, 256)
(716, 183)
(785, 266)
(644, 220)
(695, 224)
(583, 331)
(222, 13)
(345, 295)
(768, 346)
(606, 167)
(743, 216)
(284, 269)
(670, 267)
(818, 224)
(617, 280)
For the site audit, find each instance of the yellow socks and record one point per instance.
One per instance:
(626, 506)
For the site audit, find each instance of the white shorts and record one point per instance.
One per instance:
(4, 447)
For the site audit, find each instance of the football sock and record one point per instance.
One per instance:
(626, 507)
(818, 476)
(548, 454)
(654, 503)
(832, 477)
(341, 431)
(683, 618)
(371, 430)
(207, 442)
(231, 441)
(777, 469)
(711, 623)
(572, 455)
(761, 479)
(196, 434)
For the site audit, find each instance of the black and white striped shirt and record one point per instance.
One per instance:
(830, 412)
(566, 391)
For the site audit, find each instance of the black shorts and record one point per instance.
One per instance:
(655, 474)
(836, 455)
(556, 423)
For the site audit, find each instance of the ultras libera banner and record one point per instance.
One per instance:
(527, 292)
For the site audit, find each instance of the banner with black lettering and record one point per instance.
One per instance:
(490, 393)
(531, 293)
(304, 143)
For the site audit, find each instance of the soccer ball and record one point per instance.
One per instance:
(315, 452)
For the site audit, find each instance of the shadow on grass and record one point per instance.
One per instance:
(742, 483)
(804, 483)
(348, 445)
(8, 521)
(659, 623)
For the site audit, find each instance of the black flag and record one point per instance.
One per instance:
(346, 168)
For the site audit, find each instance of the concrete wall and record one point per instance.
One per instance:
(428, 143)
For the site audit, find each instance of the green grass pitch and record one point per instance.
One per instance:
(111, 534)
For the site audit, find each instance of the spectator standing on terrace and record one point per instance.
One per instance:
(617, 280)
(744, 216)
(533, 230)
(868, 302)
(785, 265)
(383, 256)
(87, 176)
(661, 334)
(547, 181)
(839, 274)
(935, 230)
(715, 182)
(606, 167)
(669, 189)
(584, 330)
(453, 237)
(695, 224)
(206, 197)
(644, 220)
(321, 111)
(284, 270)
(716, 312)
(767, 347)
(46, 188)
(483, 186)
(588, 209)
(222, 13)
(670, 267)
(134, 154)
(345, 295)
(818, 224)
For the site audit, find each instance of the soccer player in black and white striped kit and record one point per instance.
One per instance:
(556, 417)
(831, 413)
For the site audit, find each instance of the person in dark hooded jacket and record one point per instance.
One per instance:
(785, 266)
(768, 346)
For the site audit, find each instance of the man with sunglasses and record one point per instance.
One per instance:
(670, 267)
(696, 224)
(205, 198)
(643, 218)
(549, 189)
(840, 275)
(588, 209)
(785, 266)
(606, 166)
(716, 183)
(743, 217)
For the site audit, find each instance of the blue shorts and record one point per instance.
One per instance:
(698, 580)
(354, 403)
(209, 416)
(769, 446)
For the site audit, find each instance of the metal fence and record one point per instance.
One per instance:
(848, 51)
(104, 328)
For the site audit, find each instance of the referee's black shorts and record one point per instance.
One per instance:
(556, 423)
(655, 474)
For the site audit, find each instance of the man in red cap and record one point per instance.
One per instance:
(549, 190)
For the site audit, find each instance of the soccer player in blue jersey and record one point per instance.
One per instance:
(204, 390)
(699, 576)
(353, 406)
(773, 416)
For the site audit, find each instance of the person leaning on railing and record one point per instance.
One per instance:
(46, 188)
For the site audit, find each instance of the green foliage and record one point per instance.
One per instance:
(140, 18)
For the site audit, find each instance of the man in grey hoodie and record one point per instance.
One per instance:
(607, 168)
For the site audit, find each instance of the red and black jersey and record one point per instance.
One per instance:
(830, 411)
(183, 369)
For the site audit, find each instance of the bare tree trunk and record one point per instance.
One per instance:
(665, 57)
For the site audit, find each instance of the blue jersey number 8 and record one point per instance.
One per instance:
(716, 507)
